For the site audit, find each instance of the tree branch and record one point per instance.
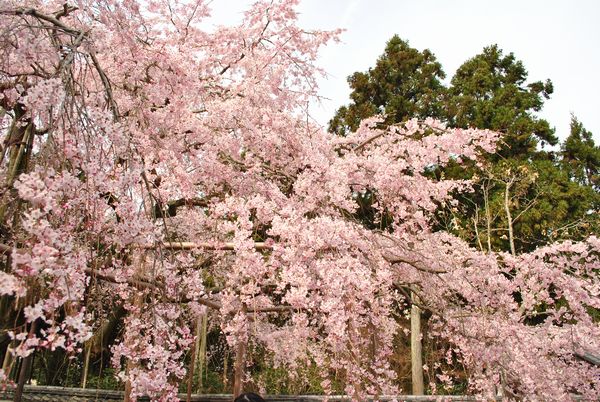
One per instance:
(36, 14)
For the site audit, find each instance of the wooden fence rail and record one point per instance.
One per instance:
(60, 394)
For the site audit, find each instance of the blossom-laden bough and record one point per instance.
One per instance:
(143, 155)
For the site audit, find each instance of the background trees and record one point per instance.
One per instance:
(581, 155)
(551, 193)
(491, 91)
(524, 195)
(404, 83)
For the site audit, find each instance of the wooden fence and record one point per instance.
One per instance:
(60, 394)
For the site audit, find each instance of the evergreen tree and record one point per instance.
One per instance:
(519, 205)
(581, 156)
(490, 91)
(523, 197)
(404, 83)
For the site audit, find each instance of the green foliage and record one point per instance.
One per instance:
(551, 196)
(305, 381)
(581, 156)
(490, 91)
(561, 208)
(544, 204)
(405, 82)
(546, 201)
(59, 369)
(107, 379)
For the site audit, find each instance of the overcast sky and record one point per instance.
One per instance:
(555, 39)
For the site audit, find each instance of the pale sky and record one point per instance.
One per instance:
(555, 39)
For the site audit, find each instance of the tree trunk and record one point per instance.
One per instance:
(102, 336)
(509, 219)
(23, 140)
(138, 300)
(25, 369)
(8, 359)
(195, 351)
(488, 217)
(416, 357)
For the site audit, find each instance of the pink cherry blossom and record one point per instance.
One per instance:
(147, 132)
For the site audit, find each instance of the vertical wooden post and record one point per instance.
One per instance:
(416, 350)
(240, 365)
(86, 363)
(25, 368)
(138, 300)
(195, 350)
(127, 393)
(202, 354)
(8, 358)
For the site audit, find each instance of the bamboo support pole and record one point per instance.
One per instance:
(259, 246)
(202, 359)
(86, 364)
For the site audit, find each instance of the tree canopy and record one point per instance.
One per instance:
(491, 91)
(551, 194)
(405, 83)
(581, 156)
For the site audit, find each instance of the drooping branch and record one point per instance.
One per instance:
(107, 87)
(172, 206)
(48, 18)
(153, 285)
(262, 246)
(143, 284)
(259, 246)
(392, 259)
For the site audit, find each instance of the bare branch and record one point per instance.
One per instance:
(36, 14)
(259, 246)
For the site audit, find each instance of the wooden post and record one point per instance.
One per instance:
(202, 354)
(195, 350)
(25, 368)
(225, 368)
(127, 393)
(416, 357)
(86, 363)
(240, 364)
(138, 300)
